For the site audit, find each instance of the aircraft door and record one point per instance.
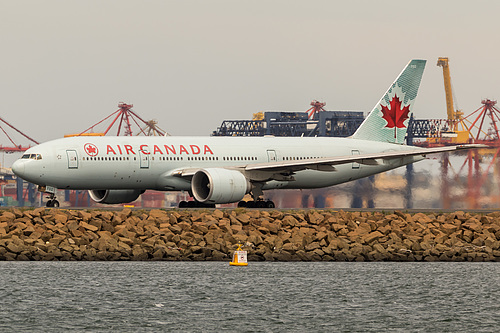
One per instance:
(271, 156)
(72, 159)
(144, 159)
(355, 165)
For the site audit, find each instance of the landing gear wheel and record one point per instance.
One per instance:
(195, 204)
(270, 204)
(257, 204)
(250, 204)
(260, 204)
(52, 203)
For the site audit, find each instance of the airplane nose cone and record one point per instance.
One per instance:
(18, 168)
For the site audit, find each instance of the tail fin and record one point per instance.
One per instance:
(388, 121)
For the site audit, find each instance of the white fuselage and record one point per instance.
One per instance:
(224, 169)
(90, 163)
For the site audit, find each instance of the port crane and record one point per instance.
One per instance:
(123, 120)
(454, 130)
(453, 114)
(481, 126)
(15, 147)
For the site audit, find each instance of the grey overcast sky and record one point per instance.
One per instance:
(191, 64)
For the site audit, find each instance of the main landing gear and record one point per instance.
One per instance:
(195, 204)
(257, 204)
(257, 201)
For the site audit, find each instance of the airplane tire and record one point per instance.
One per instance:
(270, 204)
(49, 203)
(195, 204)
(55, 203)
(260, 204)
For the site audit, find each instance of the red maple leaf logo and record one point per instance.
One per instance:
(395, 116)
(91, 149)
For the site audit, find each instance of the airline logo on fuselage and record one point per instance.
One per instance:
(92, 150)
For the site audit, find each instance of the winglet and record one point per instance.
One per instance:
(388, 121)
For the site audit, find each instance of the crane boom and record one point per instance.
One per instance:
(443, 62)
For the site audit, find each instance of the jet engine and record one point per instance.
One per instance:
(217, 185)
(114, 196)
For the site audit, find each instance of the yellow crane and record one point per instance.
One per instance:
(454, 116)
(258, 116)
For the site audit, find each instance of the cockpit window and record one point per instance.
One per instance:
(32, 156)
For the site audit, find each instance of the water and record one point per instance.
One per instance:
(262, 297)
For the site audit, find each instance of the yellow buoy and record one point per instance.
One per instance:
(239, 257)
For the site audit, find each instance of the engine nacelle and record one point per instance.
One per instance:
(217, 185)
(111, 197)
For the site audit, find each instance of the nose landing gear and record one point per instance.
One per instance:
(52, 203)
(51, 191)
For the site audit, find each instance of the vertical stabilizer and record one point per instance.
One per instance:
(388, 121)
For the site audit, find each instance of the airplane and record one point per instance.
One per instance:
(220, 170)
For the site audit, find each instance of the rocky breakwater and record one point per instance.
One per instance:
(315, 235)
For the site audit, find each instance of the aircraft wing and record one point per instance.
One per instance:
(328, 164)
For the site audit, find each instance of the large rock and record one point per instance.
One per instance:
(371, 237)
